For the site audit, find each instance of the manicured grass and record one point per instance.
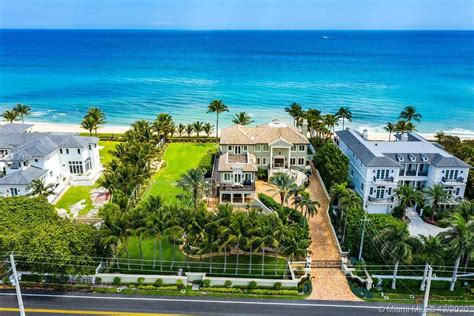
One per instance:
(105, 152)
(196, 265)
(75, 194)
(178, 158)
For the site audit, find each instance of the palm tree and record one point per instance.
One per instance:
(336, 191)
(283, 183)
(10, 116)
(198, 127)
(88, 124)
(344, 113)
(431, 248)
(435, 196)
(404, 127)
(466, 210)
(330, 121)
(296, 111)
(38, 187)
(217, 106)
(237, 235)
(242, 118)
(308, 206)
(194, 181)
(439, 136)
(408, 196)
(459, 241)
(349, 200)
(390, 128)
(409, 113)
(189, 129)
(164, 126)
(98, 117)
(208, 128)
(396, 244)
(313, 116)
(23, 110)
(181, 129)
(156, 224)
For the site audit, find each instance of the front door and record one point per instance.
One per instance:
(237, 150)
(237, 178)
(279, 162)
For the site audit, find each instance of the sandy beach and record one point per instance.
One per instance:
(117, 129)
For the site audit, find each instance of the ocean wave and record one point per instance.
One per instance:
(178, 80)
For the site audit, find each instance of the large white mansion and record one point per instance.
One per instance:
(377, 168)
(57, 158)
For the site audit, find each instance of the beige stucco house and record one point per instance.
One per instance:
(243, 150)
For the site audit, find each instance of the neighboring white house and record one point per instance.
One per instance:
(61, 159)
(276, 147)
(377, 168)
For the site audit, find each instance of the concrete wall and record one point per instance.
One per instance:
(132, 278)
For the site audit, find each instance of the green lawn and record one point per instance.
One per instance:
(105, 153)
(178, 158)
(172, 266)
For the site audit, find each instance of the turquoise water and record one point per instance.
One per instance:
(136, 74)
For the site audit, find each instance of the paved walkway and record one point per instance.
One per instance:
(328, 284)
(418, 227)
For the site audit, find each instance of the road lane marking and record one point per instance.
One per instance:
(180, 300)
(82, 312)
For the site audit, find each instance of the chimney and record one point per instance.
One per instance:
(404, 137)
(365, 134)
(304, 127)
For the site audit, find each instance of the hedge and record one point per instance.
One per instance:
(250, 291)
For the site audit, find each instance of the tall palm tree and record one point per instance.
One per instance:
(336, 191)
(390, 128)
(164, 126)
(459, 241)
(217, 106)
(237, 236)
(314, 118)
(198, 127)
(157, 221)
(466, 210)
(181, 129)
(308, 206)
(439, 136)
(349, 200)
(38, 187)
(396, 244)
(404, 127)
(208, 128)
(242, 118)
(283, 183)
(408, 196)
(345, 114)
(194, 181)
(435, 196)
(432, 247)
(10, 116)
(23, 110)
(409, 114)
(295, 110)
(330, 121)
(97, 116)
(189, 129)
(88, 123)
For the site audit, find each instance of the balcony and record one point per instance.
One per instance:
(381, 200)
(423, 173)
(236, 187)
(456, 180)
(410, 173)
(384, 180)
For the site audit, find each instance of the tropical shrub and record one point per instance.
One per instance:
(252, 285)
(116, 281)
(158, 282)
(140, 281)
(262, 174)
(206, 283)
(278, 286)
(180, 284)
(332, 164)
(228, 283)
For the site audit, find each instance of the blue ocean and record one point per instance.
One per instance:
(135, 74)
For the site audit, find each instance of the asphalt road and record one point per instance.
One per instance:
(42, 303)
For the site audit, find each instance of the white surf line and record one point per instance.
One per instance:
(152, 299)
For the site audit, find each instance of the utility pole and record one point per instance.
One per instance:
(364, 222)
(17, 286)
(427, 291)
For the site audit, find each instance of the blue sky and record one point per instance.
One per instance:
(238, 14)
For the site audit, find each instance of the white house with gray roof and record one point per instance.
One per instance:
(60, 159)
(377, 168)
(276, 147)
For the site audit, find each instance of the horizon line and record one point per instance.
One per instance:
(236, 29)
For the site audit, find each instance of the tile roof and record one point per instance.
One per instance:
(23, 177)
(261, 134)
(14, 128)
(229, 162)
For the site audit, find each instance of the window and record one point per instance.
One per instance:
(14, 191)
(245, 148)
(352, 172)
(258, 160)
(248, 176)
(67, 151)
(88, 164)
(51, 173)
(265, 148)
(61, 151)
(293, 148)
(362, 186)
(36, 160)
(389, 191)
(90, 147)
(301, 147)
(457, 191)
(257, 148)
(371, 191)
(25, 163)
(301, 161)
(229, 148)
(95, 145)
(265, 162)
(226, 176)
(292, 161)
(78, 151)
(75, 167)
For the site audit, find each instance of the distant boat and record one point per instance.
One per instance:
(325, 37)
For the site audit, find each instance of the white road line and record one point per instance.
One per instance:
(124, 298)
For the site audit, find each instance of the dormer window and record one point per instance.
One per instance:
(412, 157)
(424, 158)
(399, 157)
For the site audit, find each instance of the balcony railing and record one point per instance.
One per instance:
(237, 187)
(456, 180)
(381, 200)
(410, 173)
(422, 173)
(379, 180)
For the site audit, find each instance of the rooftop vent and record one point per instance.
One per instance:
(404, 137)
(399, 157)
(365, 134)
